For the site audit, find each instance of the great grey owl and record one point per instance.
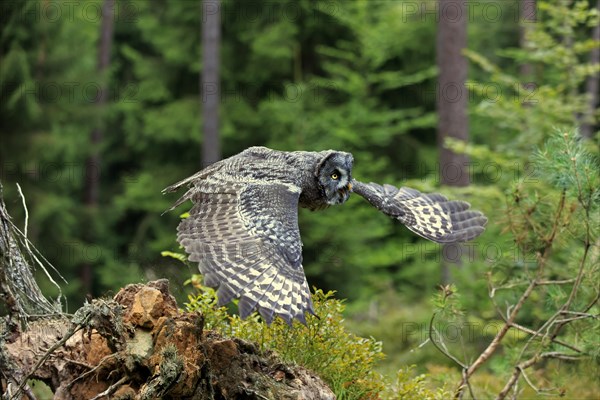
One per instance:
(243, 227)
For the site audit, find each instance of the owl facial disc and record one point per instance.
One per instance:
(334, 175)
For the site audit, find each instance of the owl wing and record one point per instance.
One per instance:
(431, 216)
(246, 239)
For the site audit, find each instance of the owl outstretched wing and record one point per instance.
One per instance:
(431, 216)
(244, 234)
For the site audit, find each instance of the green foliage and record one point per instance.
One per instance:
(567, 165)
(345, 361)
(550, 216)
(528, 108)
(519, 194)
(407, 386)
(296, 74)
(177, 256)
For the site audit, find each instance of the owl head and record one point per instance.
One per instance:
(334, 176)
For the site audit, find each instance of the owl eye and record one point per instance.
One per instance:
(335, 176)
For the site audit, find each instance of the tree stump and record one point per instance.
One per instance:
(138, 345)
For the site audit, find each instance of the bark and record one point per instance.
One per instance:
(592, 88)
(452, 94)
(137, 345)
(528, 15)
(94, 161)
(210, 86)
(452, 106)
(19, 291)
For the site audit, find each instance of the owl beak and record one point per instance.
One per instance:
(344, 193)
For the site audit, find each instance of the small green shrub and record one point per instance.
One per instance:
(345, 361)
(408, 386)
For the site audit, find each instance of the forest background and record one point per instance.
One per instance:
(103, 104)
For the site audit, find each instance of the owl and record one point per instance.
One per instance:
(243, 226)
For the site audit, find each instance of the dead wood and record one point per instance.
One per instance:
(137, 345)
(140, 346)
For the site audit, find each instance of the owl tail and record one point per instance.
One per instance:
(188, 182)
(187, 196)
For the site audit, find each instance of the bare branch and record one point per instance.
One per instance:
(538, 334)
(578, 317)
(557, 282)
(525, 283)
(443, 350)
(17, 283)
(111, 389)
(91, 371)
(531, 385)
(43, 359)
(519, 369)
(542, 259)
(466, 378)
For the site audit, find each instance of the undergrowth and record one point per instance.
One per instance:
(342, 359)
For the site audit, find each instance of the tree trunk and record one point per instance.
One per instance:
(452, 103)
(589, 123)
(19, 291)
(452, 95)
(528, 15)
(210, 86)
(93, 162)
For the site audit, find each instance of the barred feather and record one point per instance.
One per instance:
(246, 239)
(243, 227)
